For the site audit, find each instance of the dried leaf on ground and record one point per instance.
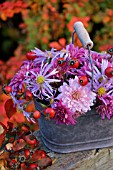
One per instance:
(18, 144)
(45, 162)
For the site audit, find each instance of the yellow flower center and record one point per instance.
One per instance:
(76, 95)
(101, 91)
(100, 79)
(40, 79)
(49, 55)
(64, 50)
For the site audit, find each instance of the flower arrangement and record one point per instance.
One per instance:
(63, 82)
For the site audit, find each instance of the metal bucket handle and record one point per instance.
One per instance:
(86, 42)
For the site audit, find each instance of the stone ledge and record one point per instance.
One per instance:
(86, 160)
(97, 159)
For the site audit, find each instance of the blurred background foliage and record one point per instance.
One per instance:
(25, 24)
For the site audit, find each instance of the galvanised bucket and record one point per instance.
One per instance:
(90, 132)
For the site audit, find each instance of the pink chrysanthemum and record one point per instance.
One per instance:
(76, 97)
(63, 115)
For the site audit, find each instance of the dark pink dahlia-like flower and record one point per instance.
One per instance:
(63, 115)
(17, 81)
(106, 109)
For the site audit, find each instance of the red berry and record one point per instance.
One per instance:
(31, 55)
(11, 140)
(28, 95)
(31, 139)
(61, 61)
(36, 114)
(43, 154)
(12, 163)
(32, 166)
(109, 72)
(27, 153)
(83, 80)
(23, 166)
(38, 155)
(23, 88)
(8, 89)
(25, 128)
(74, 63)
(49, 112)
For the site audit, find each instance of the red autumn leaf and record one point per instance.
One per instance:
(22, 25)
(58, 45)
(62, 42)
(45, 162)
(10, 108)
(84, 20)
(30, 107)
(105, 47)
(55, 45)
(10, 13)
(3, 16)
(18, 117)
(10, 125)
(19, 144)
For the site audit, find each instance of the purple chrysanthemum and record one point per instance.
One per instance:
(101, 84)
(39, 82)
(44, 56)
(63, 115)
(99, 73)
(76, 51)
(18, 80)
(65, 56)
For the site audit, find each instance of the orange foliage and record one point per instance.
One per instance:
(16, 118)
(9, 68)
(45, 22)
(8, 9)
(58, 45)
(30, 107)
(105, 47)
(7, 71)
(74, 19)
